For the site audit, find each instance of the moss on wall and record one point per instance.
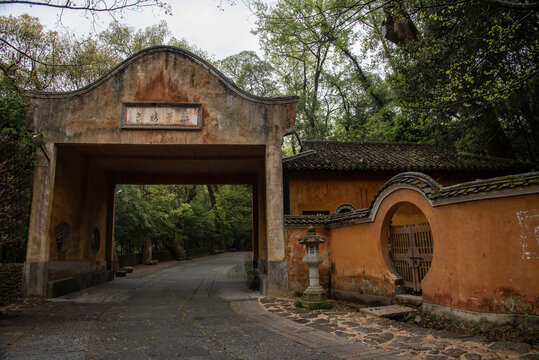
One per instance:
(10, 283)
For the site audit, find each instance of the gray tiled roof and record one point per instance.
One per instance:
(432, 190)
(398, 157)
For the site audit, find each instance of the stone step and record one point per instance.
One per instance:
(121, 273)
(128, 269)
(388, 311)
(410, 300)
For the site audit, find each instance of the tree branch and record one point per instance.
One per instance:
(116, 5)
(517, 5)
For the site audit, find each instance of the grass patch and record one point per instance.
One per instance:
(324, 305)
(248, 265)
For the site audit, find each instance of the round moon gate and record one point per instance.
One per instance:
(411, 249)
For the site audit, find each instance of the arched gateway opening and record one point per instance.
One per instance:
(163, 116)
(410, 245)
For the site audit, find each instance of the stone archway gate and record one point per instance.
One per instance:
(162, 116)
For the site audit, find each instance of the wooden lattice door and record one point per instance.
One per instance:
(411, 248)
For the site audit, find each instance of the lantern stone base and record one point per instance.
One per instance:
(314, 295)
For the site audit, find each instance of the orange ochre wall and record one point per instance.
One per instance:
(326, 190)
(322, 191)
(486, 253)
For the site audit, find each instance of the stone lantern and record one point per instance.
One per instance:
(314, 293)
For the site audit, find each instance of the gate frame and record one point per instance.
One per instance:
(92, 115)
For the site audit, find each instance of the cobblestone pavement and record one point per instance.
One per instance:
(406, 341)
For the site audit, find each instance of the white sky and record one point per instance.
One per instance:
(219, 32)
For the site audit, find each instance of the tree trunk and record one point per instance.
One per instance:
(115, 259)
(147, 251)
(190, 194)
(176, 249)
(211, 193)
(498, 144)
(398, 27)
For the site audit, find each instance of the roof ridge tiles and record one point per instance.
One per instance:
(392, 156)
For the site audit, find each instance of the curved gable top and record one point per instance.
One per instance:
(172, 50)
(155, 97)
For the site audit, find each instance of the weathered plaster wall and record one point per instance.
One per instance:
(408, 214)
(69, 189)
(298, 272)
(325, 190)
(80, 199)
(357, 261)
(486, 253)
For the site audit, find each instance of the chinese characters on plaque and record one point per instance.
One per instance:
(181, 116)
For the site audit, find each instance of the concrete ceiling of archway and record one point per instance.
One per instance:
(175, 163)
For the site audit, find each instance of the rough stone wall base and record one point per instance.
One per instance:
(482, 319)
(277, 277)
(75, 283)
(34, 278)
(261, 282)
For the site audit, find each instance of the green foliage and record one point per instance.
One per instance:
(10, 283)
(323, 305)
(16, 169)
(297, 38)
(473, 77)
(26, 49)
(248, 266)
(42, 60)
(250, 73)
(132, 221)
(309, 44)
(234, 214)
(166, 213)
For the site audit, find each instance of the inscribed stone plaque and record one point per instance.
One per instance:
(162, 116)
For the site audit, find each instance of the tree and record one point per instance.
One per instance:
(176, 217)
(122, 41)
(42, 60)
(250, 73)
(26, 50)
(470, 96)
(234, 213)
(311, 45)
(44, 57)
(16, 168)
(91, 8)
(463, 74)
(298, 42)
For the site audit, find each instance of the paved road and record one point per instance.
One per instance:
(197, 309)
(201, 309)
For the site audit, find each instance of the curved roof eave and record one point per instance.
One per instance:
(165, 48)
